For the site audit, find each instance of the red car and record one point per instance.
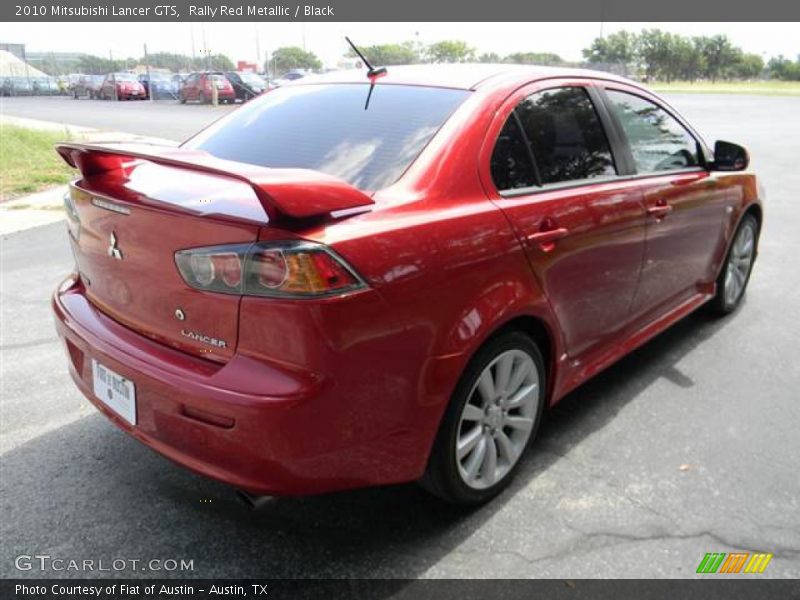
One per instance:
(310, 296)
(200, 87)
(121, 86)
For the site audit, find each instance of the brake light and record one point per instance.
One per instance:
(290, 269)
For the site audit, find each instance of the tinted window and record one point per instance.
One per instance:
(658, 141)
(511, 164)
(566, 136)
(325, 127)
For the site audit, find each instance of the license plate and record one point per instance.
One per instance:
(135, 93)
(116, 392)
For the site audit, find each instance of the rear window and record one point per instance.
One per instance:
(325, 128)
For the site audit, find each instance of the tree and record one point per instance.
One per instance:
(688, 62)
(219, 62)
(172, 61)
(449, 51)
(654, 52)
(534, 58)
(784, 69)
(490, 57)
(719, 54)
(97, 65)
(750, 66)
(404, 53)
(291, 57)
(618, 47)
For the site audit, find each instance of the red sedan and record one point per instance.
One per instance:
(200, 87)
(319, 292)
(121, 86)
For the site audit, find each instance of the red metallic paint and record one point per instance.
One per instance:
(280, 191)
(317, 395)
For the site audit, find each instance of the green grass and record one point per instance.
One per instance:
(28, 162)
(761, 88)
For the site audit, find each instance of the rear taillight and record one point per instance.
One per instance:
(291, 269)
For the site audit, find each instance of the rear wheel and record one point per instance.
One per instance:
(492, 417)
(201, 98)
(735, 273)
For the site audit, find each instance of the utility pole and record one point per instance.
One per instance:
(113, 75)
(150, 90)
(205, 48)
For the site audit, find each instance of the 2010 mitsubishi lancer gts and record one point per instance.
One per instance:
(355, 281)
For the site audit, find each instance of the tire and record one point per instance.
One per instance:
(735, 272)
(201, 98)
(480, 474)
(182, 99)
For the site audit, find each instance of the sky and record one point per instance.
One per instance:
(244, 41)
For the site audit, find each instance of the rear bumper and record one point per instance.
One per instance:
(261, 427)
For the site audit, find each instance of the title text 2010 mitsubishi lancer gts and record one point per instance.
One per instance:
(356, 281)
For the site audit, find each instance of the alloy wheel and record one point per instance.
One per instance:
(497, 419)
(739, 263)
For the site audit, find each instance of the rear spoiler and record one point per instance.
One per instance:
(295, 193)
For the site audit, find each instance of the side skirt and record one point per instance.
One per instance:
(579, 372)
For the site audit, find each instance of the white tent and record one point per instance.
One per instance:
(11, 66)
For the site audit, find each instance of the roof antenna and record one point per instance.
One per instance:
(372, 73)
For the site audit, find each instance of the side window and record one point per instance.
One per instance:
(658, 141)
(565, 135)
(511, 164)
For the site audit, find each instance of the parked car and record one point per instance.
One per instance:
(198, 87)
(288, 77)
(17, 86)
(121, 86)
(245, 84)
(45, 86)
(337, 297)
(87, 86)
(162, 84)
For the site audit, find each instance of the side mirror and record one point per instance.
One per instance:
(730, 157)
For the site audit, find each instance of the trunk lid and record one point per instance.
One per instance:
(129, 232)
(137, 205)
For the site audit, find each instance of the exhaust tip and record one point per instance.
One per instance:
(252, 502)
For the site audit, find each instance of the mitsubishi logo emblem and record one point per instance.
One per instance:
(113, 251)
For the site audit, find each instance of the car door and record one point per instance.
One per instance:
(107, 90)
(190, 89)
(684, 201)
(555, 172)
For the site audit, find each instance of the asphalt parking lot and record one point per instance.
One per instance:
(163, 119)
(687, 446)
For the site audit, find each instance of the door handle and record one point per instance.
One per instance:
(659, 210)
(547, 239)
